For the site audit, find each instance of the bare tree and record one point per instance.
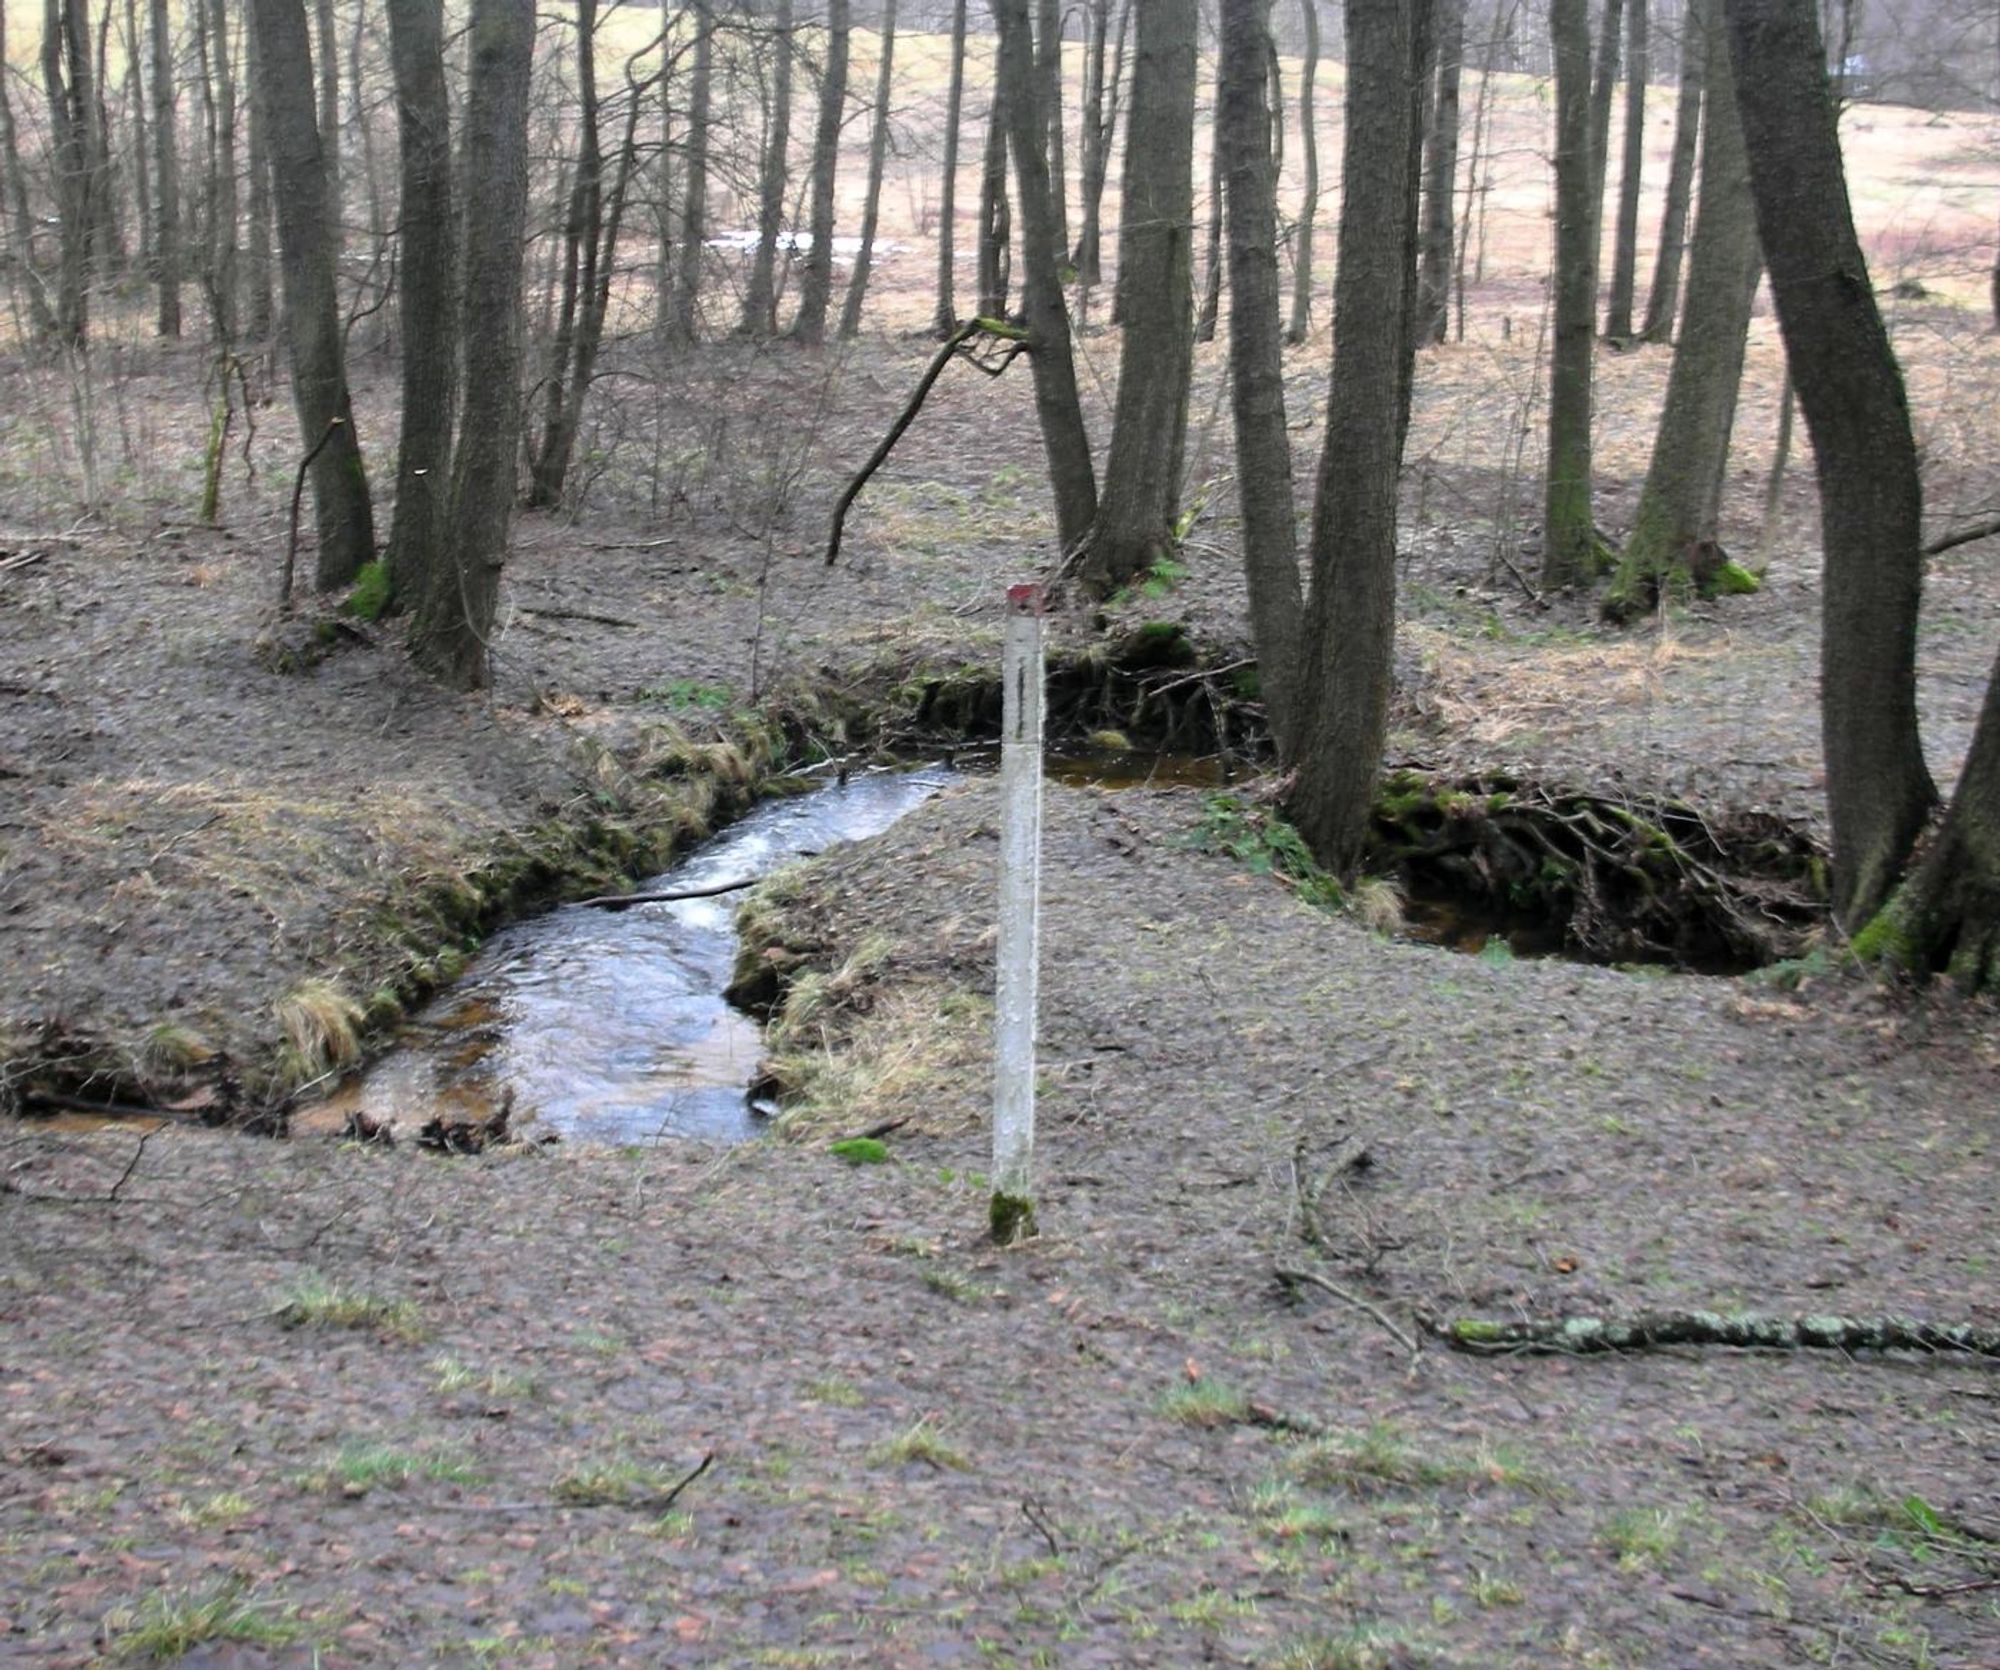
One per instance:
(1664, 298)
(878, 156)
(166, 170)
(1571, 549)
(1050, 355)
(1135, 512)
(343, 515)
(1879, 791)
(1303, 233)
(996, 215)
(20, 218)
(1441, 178)
(816, 278)
(454, 625)
(683, 315)
(1343, 704)
(1257, 367)
(1625, 250)
(944, 320)
(760, 299)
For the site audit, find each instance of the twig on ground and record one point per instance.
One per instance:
(107, 1198)
(1312, 1278)
(579, 614)
(1036, 1518)
(1962, 536)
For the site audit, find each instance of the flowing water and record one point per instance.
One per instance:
(610, 1026)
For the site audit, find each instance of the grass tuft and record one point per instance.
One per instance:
(316, 1301)
(921, 1443)
(171, 1623)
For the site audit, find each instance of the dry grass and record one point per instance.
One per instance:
(322, 1030)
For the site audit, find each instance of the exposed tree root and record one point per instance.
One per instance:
(1625, 879)
(1649, 1330)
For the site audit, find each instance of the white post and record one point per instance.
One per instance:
(1013, 1214)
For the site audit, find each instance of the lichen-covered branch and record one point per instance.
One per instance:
(1649, 1330)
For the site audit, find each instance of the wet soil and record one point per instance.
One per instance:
(1086, 1451)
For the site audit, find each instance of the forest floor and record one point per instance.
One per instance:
(309, 1402)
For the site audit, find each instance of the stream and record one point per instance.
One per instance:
(610, 1026)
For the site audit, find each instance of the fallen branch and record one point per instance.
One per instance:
(22, 559)
(579, 614)
(908, 415)
(624, 901)
(1650, 1330)
(1294, 1278)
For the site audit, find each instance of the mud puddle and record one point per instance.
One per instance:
(610, 1026)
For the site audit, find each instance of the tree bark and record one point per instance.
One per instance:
(222, 233)
(1673, 544)
(1050, 355)
(428, 291)
(1135, 513)
(71, 109)
(996, 215)
(136, 118)
(878, 158)
(760, 300)
(1879, 791)
(816, 277)
(683, 314)
(327, 63)
(1350, 635)
(1103, 82)
(583, 226)
(1441, 178)
(259, 294)
(1257, 369)
(1303, 234)
(1571, 551)
(944, 317)
(1211, 281)
(20, 218)
(1603, 88)
(454, 624)
(1625, 248)
(343, 516)
(1049, 77)
(1664, 298)
(166, 171)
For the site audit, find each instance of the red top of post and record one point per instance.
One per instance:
(1026, 599)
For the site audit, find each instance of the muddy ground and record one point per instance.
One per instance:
(383, 1407)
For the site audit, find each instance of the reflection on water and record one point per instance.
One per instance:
(610, 1026)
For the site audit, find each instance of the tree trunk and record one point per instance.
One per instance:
(683, 317)
(1878, 789)
(1946, 918)
(760, 301)
(259, 291)
(1302, 245)
(583, 226)
(1673, 544)
(878, 158)
(1049, 76)
(66, 80)
(222, 235)
(1665, 295)
(20, 219)
(1050, 357)
(1625, 249)
(327, 62)
(1350, 634)
(944, 318)
(110, 229)
(816, 278)
(1109, 82)
(342, 514)
(140, 153)
(1440, 210)
(1571, 551)
(364, 130)
(1422, 83)
(166, 171)
(428, 259)
(1257, 369)
(1211, 283)
(1603, 86)
(996, 222)
(1135, 513)
(454, 624)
